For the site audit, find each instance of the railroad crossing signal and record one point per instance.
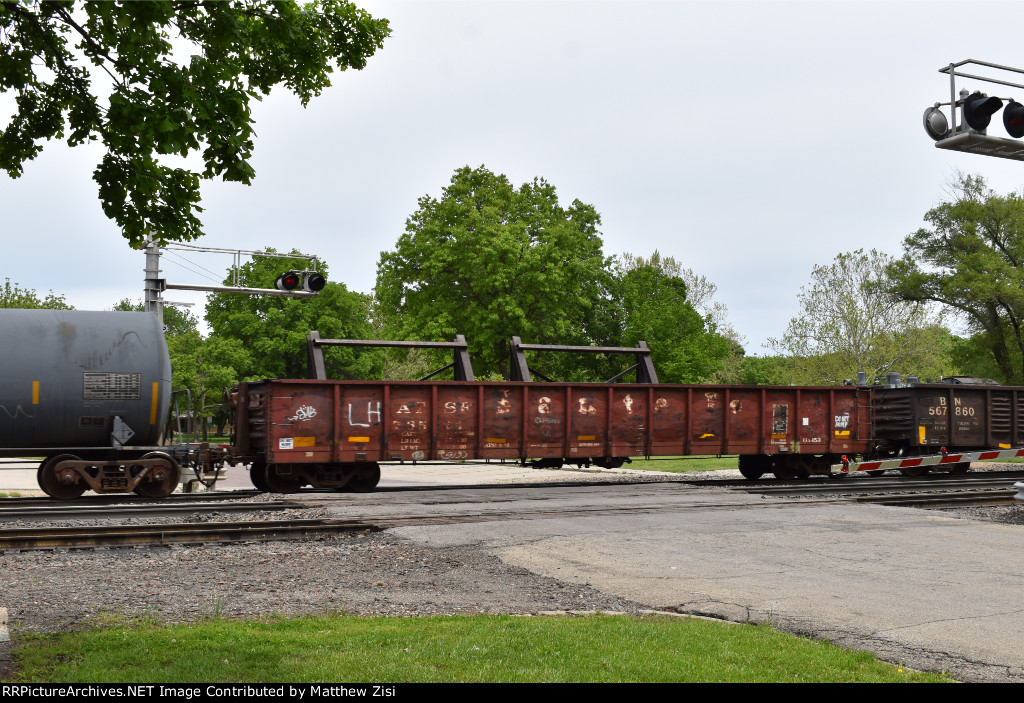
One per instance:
(309, 281)
(976, 111)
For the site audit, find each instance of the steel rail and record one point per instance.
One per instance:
(79, 511)
(180, 533)
(944, 500)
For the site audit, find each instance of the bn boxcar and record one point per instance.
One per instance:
(929, 418)
(333, 434)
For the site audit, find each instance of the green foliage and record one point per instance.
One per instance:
(755, 371)
(207, 368)
(972, 356)
(16, 297)
(175, 321)
(484, 649)
(491, 261)
(61, 58)
(971, 260)
(271, 331)
(204, 367)
(650, 301)
(850, 322)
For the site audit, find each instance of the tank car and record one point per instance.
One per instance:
(89, 392)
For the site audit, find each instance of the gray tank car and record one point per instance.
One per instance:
(90, 392)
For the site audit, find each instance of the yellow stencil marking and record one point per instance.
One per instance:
(586, 437)
(152, 408)
(920, 433)
(306, 441)
(358, 439)
(35, 392)
(842, 433)
(496, 440)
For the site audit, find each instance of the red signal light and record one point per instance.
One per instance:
(288, 281)
(1013, 119)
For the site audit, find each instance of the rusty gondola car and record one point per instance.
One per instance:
(334, 434)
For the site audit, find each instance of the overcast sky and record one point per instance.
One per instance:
(749, 140)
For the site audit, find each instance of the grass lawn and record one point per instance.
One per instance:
(680, 464)
(494, 649)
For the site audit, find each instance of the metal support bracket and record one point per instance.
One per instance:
(519, 369)
(463, 368)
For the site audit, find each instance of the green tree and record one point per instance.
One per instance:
(650, 300)
(971, 260)
(850, 322)
(62, 59)
(272, 330)
(754, 370)
(16, 297)
(489, 260)
(176, 321)
(206, 368)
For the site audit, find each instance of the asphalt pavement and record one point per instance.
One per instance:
(925, 588)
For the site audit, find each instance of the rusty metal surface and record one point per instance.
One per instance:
(302, 421)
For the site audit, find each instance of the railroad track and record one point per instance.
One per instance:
(85, 510)
(934, 492)
(131, 499)
(931, 492)
(21, 539)
(79, 537)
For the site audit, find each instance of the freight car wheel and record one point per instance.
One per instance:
(754, 466)
(365, 479)
(50, 482)
(802, 466)
(258, 475)
(161, 481)
(785, 469)
(278, 482)
(784, 473)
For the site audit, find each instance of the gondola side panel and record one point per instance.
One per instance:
(545, 411)
(300, 422)
(588, 421)
(501, 413)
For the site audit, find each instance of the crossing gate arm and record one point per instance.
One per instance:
(930, 460)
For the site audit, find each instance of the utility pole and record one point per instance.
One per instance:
(154, 285)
